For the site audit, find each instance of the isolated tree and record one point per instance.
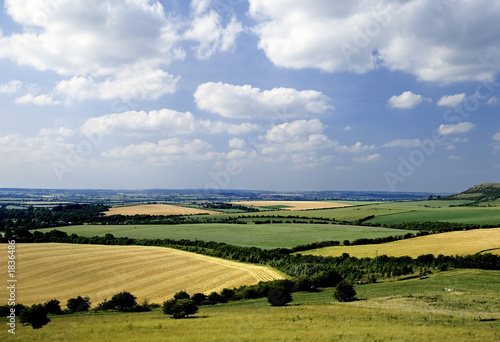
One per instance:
(124, 301)
(78, 304)
(53, 307)
(180, 308)
(279, 297)
(344, 292)
(36, 316)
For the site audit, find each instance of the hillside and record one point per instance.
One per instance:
(485, 192)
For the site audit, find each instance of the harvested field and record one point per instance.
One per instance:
(157, 209)
(294, 205)
(452, 243)
(46, 271)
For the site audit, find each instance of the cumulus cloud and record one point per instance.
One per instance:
(437, 42)
(461, 127)
(368, 159)
(406, 100)
(10, 87)
(403, 143)
(493, 100)
(110, 49)
(356, 148)
(451, 100)
(166, 121)
(496, 137)
(249, 102)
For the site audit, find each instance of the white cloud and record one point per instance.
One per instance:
(10, 87)
(406, 100)
(461, 127)
(496, 137)
(451, 100)
(368, 159)
(248, 102)
(110, 49)
(166, 151)
(356, 148)
(403, 143)
(363, 35)
(454, 157)
(236, 143)
(493, 100)
(207, 29)
(166, 121)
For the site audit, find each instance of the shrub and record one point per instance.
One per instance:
(180, 308)
(53, 307)
(182, 295)
(279, 297)
(36, 316)
(344, 292)
(78, 304)
(198, 298)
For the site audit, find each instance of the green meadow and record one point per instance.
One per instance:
(246, 235)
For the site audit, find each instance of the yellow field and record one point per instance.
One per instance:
(295, 205)
(45, 271)
(157, 209)
(452, 243)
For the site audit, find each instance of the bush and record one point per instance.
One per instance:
(78, 304)
(53, 307)
(36, 316)
(279, 297)
(198, 298)
(124, 301)
(344, 292)
(182, 295)
(180, 308)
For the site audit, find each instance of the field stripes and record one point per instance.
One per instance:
(46, 271)
(451, 243)
(157, 209)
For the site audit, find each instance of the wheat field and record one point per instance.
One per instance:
(295, 205)
(157, 209)
(452, 243)
(46, 271)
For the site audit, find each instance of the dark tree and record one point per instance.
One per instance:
(180, 308)
(344, 292)
(124, 301)
(78, 304)
(198, 298)
(36, 316)
(214, 298)
(279, 297)
(53, 307)
(182, 295)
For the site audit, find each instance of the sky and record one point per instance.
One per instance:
(369, 95)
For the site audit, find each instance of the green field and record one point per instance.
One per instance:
(399, 212)
(247, 235)
(411, 310)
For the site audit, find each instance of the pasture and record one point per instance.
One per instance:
(45, 271)
(294, 205)
(266, 236)
(451, 243)
(434, 315)
(157, 209)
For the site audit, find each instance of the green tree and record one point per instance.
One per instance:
(124, 301)
(199, 298)
(182, 295)
(53, 307)
(279, 297)
(36, 316)
(344, 292)
(78, 304)
(180, 308)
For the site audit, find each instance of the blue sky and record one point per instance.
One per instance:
(232, 94)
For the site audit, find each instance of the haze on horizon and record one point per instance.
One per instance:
(380, 95)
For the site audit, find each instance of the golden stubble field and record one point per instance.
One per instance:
(452, 243)
(295, 205)
(157, 209)
(46, 271)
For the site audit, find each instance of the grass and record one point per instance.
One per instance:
(248, 235)
(452, 243)
(310, 317)
(51, 270)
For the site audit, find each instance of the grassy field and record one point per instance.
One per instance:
(257, 235)
(294, 205)
(157, 209)
(452, 243)
(45, 271)
(311, 317)
(399, 212)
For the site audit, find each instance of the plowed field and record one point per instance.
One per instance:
(157, 209)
